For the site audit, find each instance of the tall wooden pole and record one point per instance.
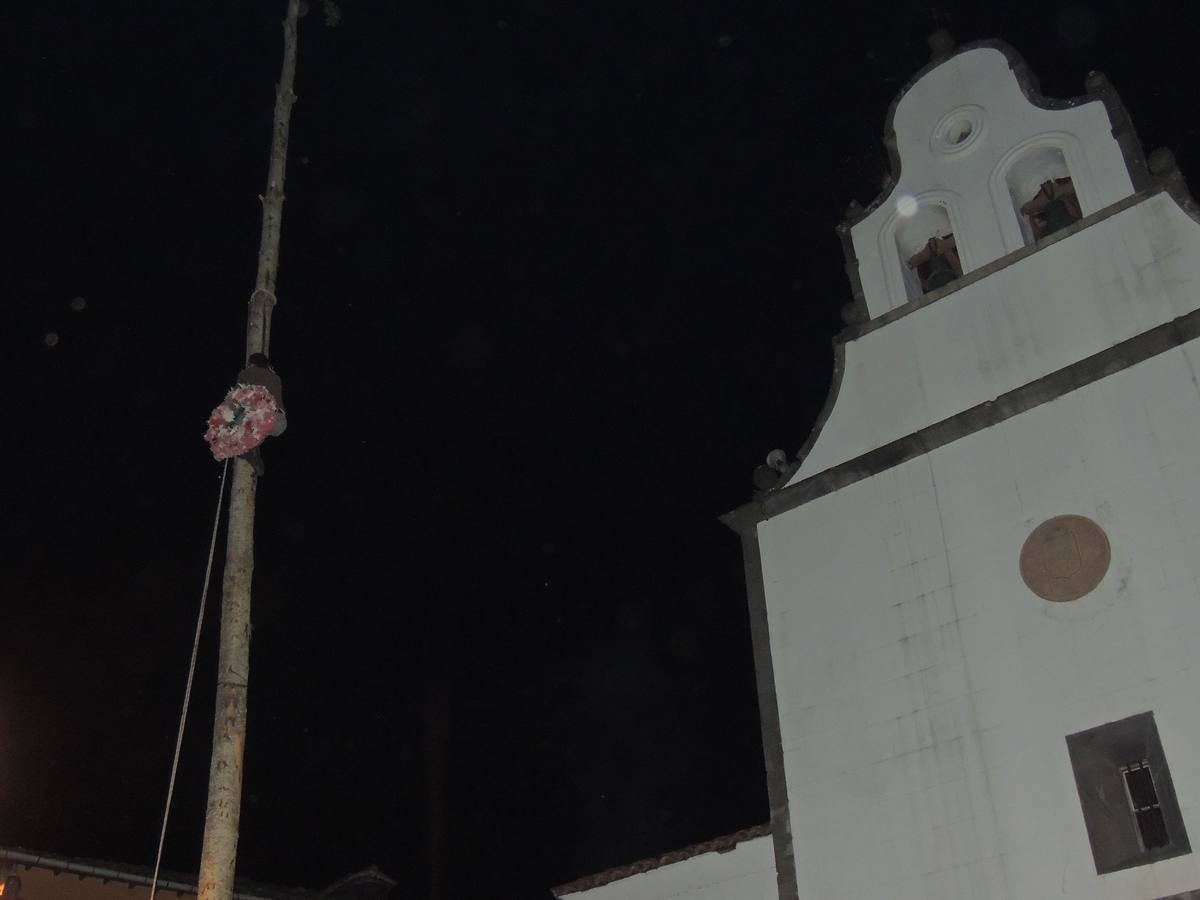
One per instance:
(219, 854)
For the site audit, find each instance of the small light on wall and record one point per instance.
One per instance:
(906, 206)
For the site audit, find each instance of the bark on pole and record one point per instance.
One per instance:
(219, 853)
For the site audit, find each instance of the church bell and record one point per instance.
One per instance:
(1055, 216)
(937, 272)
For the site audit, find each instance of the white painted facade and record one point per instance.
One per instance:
(746, 872)
(924, 691)
(1121, 276)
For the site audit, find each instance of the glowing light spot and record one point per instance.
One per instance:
(906, 206)
(51, 339)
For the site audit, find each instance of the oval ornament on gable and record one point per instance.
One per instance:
(1065, 558)
(958, 130)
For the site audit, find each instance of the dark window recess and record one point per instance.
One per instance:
(937, 263)
(1052, 208)
(1126, 794)
(1143, 799)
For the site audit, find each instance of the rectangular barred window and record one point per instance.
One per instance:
(1126, 794)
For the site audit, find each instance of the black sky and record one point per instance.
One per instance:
(555, 277)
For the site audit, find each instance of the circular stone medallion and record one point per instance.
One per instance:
(1065, 558)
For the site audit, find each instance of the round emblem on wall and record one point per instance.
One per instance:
(1065, 558)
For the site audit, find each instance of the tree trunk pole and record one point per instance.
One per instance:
(219, 853)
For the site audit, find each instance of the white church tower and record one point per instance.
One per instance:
(976, 593)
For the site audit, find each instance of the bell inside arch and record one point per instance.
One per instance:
(1053, 207)
(1056, 216)
(937, 263)
(938, 272)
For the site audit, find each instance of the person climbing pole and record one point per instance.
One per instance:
(251, 412)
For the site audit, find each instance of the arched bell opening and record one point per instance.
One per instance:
(1043, 193)
(928, 252)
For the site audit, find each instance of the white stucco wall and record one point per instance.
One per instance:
(1115, 279)
(925, 692)
(968, 179)
(747, 872)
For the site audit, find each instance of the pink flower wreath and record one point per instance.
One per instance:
(245, 418)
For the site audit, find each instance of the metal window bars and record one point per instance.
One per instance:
(1143, 803)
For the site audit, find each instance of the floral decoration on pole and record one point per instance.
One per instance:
(245, 418)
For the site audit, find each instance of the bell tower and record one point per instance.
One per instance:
(974, 593)
(983, 165)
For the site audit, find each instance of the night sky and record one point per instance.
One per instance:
(555, 277)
